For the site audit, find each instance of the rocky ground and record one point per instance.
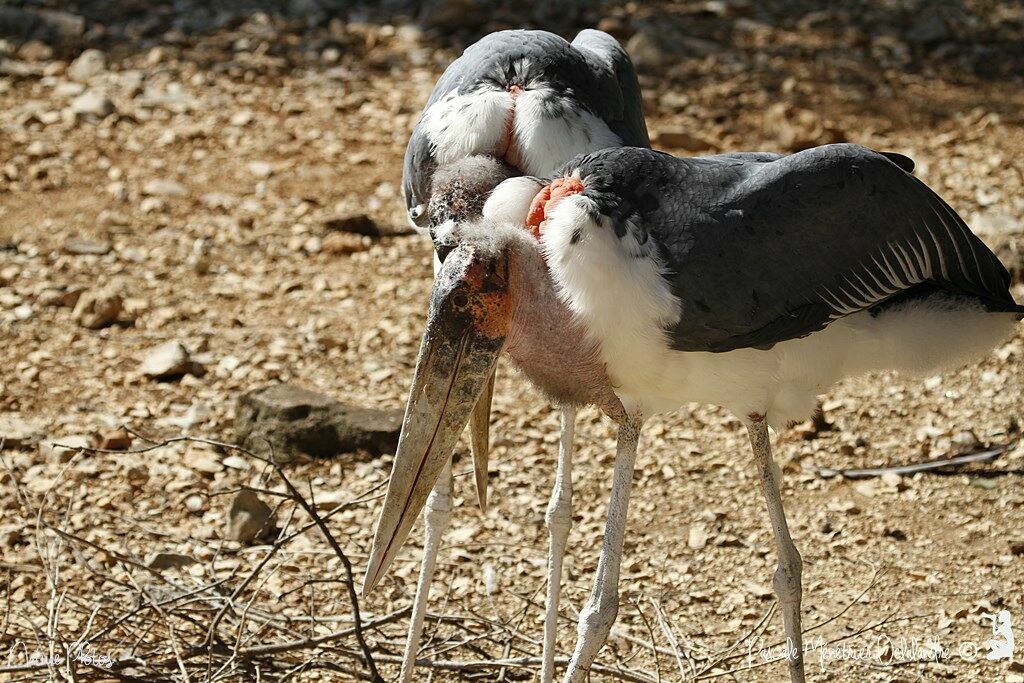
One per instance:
(197, 204)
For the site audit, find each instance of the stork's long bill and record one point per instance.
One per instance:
(470, 310)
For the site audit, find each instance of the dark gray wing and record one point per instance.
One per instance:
(615, 72)
(593, 70)
(764, 251)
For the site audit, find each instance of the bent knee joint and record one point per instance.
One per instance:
(558, 518)
(598, 619)
(787, 581)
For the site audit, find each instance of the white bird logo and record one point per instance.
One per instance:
(1001, 644)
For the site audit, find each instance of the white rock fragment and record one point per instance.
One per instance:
(261, 169)
(169, 360)
(92, 102)
(164, 187)
(87, 65)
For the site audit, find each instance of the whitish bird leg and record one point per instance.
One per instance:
(436, 516)
(787, 574)
(559, 521)
(597, 617)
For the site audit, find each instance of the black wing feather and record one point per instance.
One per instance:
(761, 251)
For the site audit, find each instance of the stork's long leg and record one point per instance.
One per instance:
(787, 574)
(559, 521)
(436, 516)
(597, 617)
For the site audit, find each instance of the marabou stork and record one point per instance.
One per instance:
(749, 281)
(532, 101)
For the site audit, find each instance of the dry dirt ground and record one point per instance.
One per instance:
(212, 185)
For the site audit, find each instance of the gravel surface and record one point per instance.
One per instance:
(195, 204)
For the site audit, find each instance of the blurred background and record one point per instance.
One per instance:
(201, 200)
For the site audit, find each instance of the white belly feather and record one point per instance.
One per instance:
(625, 303)
(546, 130)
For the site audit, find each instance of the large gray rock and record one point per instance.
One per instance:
(296, 421)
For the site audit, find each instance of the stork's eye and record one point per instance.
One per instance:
(460, 300)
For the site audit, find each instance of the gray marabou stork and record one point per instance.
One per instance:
(515, 103)
(749, 281)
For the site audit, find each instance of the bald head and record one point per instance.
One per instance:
(459, 190)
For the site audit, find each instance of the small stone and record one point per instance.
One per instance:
(865, 488)
(164, 187)
(63, 449)
(92, 103)
(87, 65)
(242, 118)
(170, 360)
(95, 310)
(170, 561)
(296, 421)
(114, 440)
(137, 477)
(758, 590)
(35, 51)
(236, 462)
(22, 312)
(201, 459)
(965, 442)
(67, 297)
(83, 246)
(892, 480)
(698, 537)
(199, 259)
(340, 244)
(261, 169)
(250, 519)
(152, 205)
(38, 149)
(195, 503)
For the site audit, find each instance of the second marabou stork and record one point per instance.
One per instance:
(749, 281)
(516, 103)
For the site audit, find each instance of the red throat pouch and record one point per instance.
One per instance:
(547, 198)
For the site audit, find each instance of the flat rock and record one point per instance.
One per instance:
(169, 361)
(250, 519)
(164, 187)
(82, 246)
(296, 421)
